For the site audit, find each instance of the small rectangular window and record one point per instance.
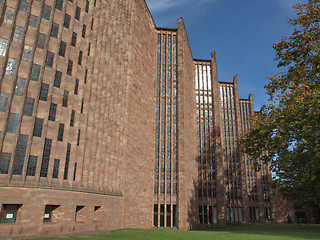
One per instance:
(18, 32)
(41, 40)
(78, 10)
(55, 171)
(62, 49)
(24, 5)
(74, 39)
(45, 157)
(33, 22)
(72, 118)
(27, 51)
(37, 130)
(44, 92)
(5, 162)
(66, 22)
(57, 79)
(84, 30)
(46, 12)
(60, 132)
(4, 97)
(69, 69)
(11, 66)
(52, 112)
(28, 108)
(9, 14)
(13, 123)
(20, 154)
(21, 83)
(32, 165)
(65, 98)
(3, 46)
(80, 57)
(76, 86)
(35, 72)
(54, 30)
(49, 59)
(9, 213)
(59, 4)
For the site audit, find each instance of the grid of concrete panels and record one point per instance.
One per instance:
(165, 170)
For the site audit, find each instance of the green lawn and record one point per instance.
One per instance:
(238, 232)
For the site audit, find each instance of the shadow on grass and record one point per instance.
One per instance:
(299, 231)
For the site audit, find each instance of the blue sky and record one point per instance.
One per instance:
(240, 31)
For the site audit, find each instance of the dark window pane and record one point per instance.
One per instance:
(76, 86)
(80, 58)
(92, 21)
(17, 37)
(32, 165)
(59, 4)
(57, 79)
(78, 10)
(55, 171)
(62, 49)
(24, 5)
(74, 171)
(13, 123)
(27, 51)
(69, 69)
(33, 22)
(81, 110)
(35, 72)
(85, 76)
(87, 5)
(84, 30)
(65, 98)
(49, 59)
(89, 47)
(37, 130)
(44, 92)
(74, 39)
(66, 22)
(60, 132)
(46, 12)
(54, 30)
(20, 154)
(5, 162)
(28, 108)
(78, 140)
(41, 40)
(45, 157)
(66, 167)
(52, 112)
(4, 102)
(72, 118)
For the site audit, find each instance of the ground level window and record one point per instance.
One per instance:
(155, 215)
(9, 213)
(48, 212)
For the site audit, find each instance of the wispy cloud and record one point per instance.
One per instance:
(287, 4)
(163, 5)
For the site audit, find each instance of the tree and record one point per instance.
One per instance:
(286, 132)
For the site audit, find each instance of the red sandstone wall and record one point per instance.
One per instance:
(187, 135)
(140, 105)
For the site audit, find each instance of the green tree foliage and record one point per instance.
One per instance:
(286, 132)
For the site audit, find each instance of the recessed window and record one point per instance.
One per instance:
(41, 40)
(62, 49)
(37, 130)
(80, 214)
(46, 12)
(76, 86)
(57, 79)
(89, 48)
(5, 162)
(3, 46)
(35, 72)
(65, 98)
(27, 51)
(45, 157)
(92, 21)
(81, 110)
(11, 66)
(59, 4)
(55, 171)
(4, 102)
(74, 39)
(66, 22)
(69, 69)
(13, 123)
(72, 118)
(49, 59)
(9, 212)
(18, 32)
(24, 5)
(52, 112)
(21, 83)
(54, 30)
(87, 5)
(20, 154)
(28, 108)
(33, 22)
(74, 171)
(66, 166)
(49, 213)
(84, 30)
(9, 14)
(85, 76)
(78, 140)
(44, 92)
(78, 10)
(60, 132)
(32, 165)
(80, 57)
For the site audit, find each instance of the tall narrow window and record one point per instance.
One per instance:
(32, 165)
(55, 171)
(27, 51)
(155, 215)
(41, 40)
(62, 49)
(54, 30)
(69, 69)
(74, 171)
(80, 57)
(84, 30)
(46, 12)
(59, 4)
(11, 66)
(87, 6)
(20, 154)
(78, 140)
(44, 92)
(5, 162)
(72, 118)
(28, 108)
(76, 86)
(35, 72)
(3, 46)
(37, 130)
(85, 76)
(74, 39)
(57, 79)
(18, 33)
(60, 132)
(52, 112)
(49, 59)
(66, 167)
(13, 123)
(78, 10)
(89, 48)
(66, 22)
(21, 83)
(4, 97)
(65, 98)
(92, 21)
(33, 22)
(81, 110)
(45, 157)
(9, 14)
(24, 5)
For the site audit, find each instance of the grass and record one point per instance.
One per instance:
(235, 232)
